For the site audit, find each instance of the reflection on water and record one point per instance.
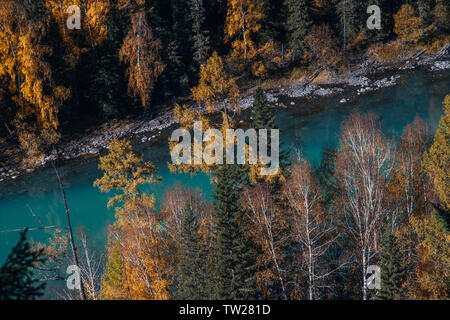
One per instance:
(308, 127)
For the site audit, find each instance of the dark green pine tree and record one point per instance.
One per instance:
(107, 84)
(392, 272)
(190, 274)
(263, 117)
(353, 17)
(234, 265)
(16, 275)
(199, 37)
(299, 21)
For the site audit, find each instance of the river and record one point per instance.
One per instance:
(307, 125)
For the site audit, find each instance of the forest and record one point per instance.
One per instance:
(305, 233)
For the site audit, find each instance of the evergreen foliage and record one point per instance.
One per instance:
(392, 272)
(16, 274)
(190, 275)
(234, 259)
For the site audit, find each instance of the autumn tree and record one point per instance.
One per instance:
(437, 158)
(432, 271)
(148, 269)
(113, 281)
(409, 188)
(408, 25)
(218, 92)
(95, 19)
(311, 230)
(408, 178)
(72, 47)
(141, 51)
(124, 170)
(322, 48)
(269, 231)
(25, 67)
(137, 228)
(364, 163)
(216, 85)
(243, 19)
(242, 24)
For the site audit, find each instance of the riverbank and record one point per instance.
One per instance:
(368, 78)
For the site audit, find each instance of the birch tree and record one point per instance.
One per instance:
(310, 228)
(364, 163)
(268, 229)
(141, 51)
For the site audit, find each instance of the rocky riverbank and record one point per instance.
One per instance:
(364, 80)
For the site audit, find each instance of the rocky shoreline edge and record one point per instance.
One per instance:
(147, 130)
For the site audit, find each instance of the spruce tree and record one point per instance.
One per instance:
(262, 114)
(298, 23)
(199, 37)
(353, 16)
(190, 275)
(263, 117)
(392, 272)
(16, 275)
(234, 258)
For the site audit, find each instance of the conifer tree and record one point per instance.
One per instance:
(16, 275)
(298, 23)
(108, 86)
(392, 272)
(263, 117)
(124, 170)
(190, 275)
(200, 36)
(352, 15)
(262, 114)
(113, 283)
(234, 260)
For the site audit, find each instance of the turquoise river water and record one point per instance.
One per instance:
(309, 126)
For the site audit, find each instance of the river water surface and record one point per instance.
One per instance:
(309, 126)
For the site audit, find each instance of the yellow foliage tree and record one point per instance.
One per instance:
(29, 76)
(407, 24)
(218, 91)
(433, 268)
(93, 25)
(141, 52)
(140, 263)
(95, 13)
(124, 170)
(216, 88)
(437, 160)
(322, 47)
(243, 21)
(147, 270)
